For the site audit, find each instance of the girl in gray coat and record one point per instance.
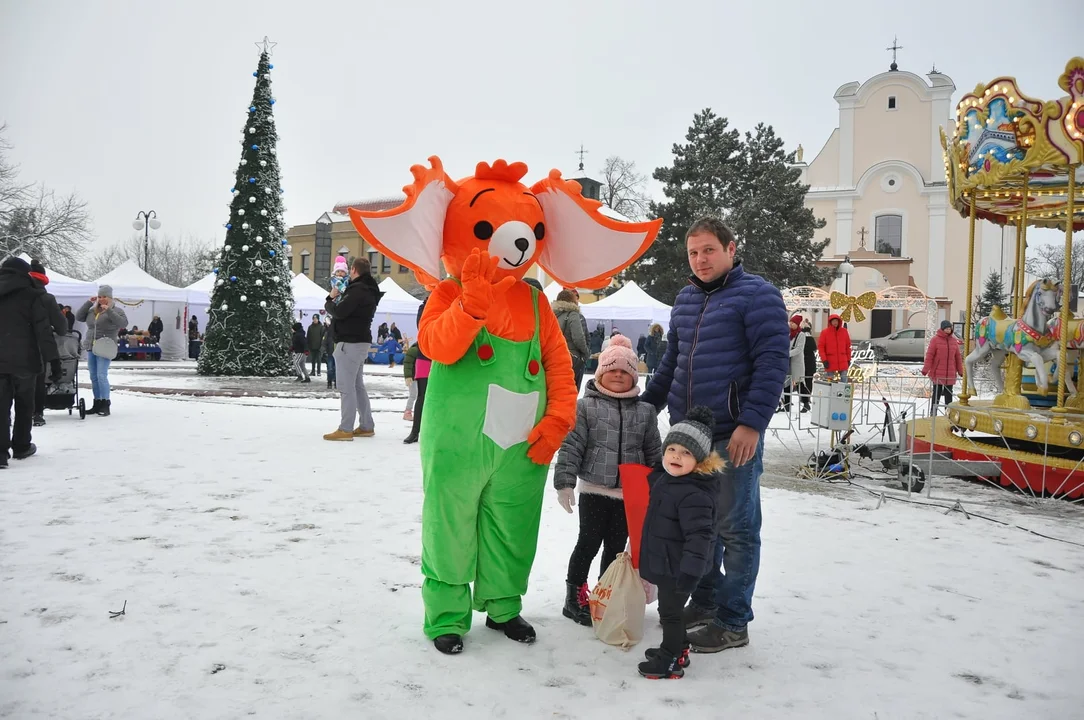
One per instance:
(104, 320)
(612, 427)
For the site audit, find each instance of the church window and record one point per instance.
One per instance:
(888, 235)
(891, 102)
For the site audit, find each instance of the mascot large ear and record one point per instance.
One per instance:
(582, 247)
(411, 234)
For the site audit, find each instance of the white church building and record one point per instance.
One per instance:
(879, 184)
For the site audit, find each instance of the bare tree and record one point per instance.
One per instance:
(35, 220)
(1049, 261)
(623, 188)
(175, 261)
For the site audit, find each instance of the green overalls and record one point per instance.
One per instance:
(483, 495)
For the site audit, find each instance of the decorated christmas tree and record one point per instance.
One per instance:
(248, 330)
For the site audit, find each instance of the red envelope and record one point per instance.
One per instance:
(634, 488)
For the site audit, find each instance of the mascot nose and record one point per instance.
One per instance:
(522, 244)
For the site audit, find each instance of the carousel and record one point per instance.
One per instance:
(1014, 160)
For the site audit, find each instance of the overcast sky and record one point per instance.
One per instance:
(140, 105)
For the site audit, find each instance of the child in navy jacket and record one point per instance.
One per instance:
(677, 541)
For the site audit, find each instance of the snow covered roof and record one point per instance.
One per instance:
(379, 203)
(130, 282)
(333, 217)
(611, 213)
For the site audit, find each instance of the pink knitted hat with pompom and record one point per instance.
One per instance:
(619, 356)
(340, 264)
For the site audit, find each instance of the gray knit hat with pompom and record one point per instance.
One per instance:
(694, 433)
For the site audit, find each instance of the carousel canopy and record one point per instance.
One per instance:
(1007, 145)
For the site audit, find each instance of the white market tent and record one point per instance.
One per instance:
(630, 310)
(142, 297)
(399, 307)
(199, 298)
(552, 291)
(309, 298)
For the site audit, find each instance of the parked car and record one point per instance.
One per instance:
(909, 344)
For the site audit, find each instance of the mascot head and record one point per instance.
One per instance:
(550, 223)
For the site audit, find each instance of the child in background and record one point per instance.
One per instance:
(339, 278)
(329, 353)
(299, 345)
(612, 427)
(409, 358)
(678, 539)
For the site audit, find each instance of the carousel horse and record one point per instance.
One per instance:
(998, 335)
(1075, 346)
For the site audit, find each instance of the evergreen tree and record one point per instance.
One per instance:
(993, 293)
(700, 182)
(748, 185)
(768, 215)
(248, 330)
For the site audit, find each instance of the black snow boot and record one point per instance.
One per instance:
(24, 454)
(103, 410)
(516, 629)
(449, 644)
(661, 667)
(576, 607)
(682, 661)
(39, 420)
(93, 409)
(410, 439)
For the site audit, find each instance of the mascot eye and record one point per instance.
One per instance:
(539, 231)
(483, 230)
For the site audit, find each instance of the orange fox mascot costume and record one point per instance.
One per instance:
(501, 395)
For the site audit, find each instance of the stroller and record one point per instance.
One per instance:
(64, 395)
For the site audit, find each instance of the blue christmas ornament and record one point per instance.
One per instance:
(229, 226)
(272, 101)
(284, 243)
(255, 147)
(256, 74)
(252, 108)
(271, 253)
(252, 180)
(233, 190)
(233, 278)
(216, 271)
(270, 66)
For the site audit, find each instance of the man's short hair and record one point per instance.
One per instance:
(712, 226)
(566, 295)
(362, 266)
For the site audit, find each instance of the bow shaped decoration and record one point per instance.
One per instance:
(852, 306)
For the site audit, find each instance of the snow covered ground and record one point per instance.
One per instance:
(268, 573)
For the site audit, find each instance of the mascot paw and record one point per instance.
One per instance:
(545, 440)
(479, 289)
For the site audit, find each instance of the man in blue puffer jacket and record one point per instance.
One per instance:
(728, 348)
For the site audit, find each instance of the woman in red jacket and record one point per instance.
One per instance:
(943, 363)
(834, 345)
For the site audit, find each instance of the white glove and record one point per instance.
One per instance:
(567, 498)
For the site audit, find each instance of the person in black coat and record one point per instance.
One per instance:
(422, 383)
(300, 348)
(678, 538)
(156, 328)
(60, 327)
(26, 339)
(810, 365)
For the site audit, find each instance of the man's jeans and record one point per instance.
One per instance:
(737, 548)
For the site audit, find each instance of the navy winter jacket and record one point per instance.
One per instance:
(678, 538)
(728, 348)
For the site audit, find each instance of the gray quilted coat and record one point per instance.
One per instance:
(609, 432)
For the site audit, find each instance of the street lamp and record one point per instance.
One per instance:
(846, 269)
(146, 221)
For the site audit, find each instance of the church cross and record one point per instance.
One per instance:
(581, 152)
(862, 234)
(895, 46)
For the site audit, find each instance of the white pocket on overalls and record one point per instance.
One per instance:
(510, 416)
